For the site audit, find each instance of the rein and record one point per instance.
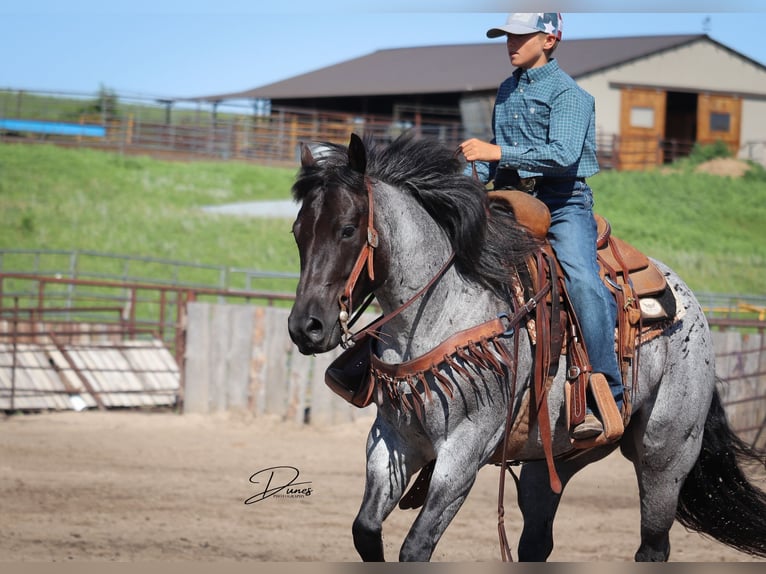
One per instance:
(365, 257)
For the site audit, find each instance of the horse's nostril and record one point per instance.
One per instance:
(314, 327)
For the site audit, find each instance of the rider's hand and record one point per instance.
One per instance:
(477, 150)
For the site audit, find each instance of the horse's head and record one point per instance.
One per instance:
(332, 231)
(427, 209)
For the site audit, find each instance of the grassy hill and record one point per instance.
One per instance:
(54, 198)
(709, 228)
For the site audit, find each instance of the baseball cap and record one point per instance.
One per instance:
(527, 23)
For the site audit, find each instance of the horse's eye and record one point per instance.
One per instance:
(348, 231)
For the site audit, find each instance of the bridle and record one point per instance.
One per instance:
(365, 259)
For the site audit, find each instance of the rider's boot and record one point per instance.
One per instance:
(593, 426)
(590, 427)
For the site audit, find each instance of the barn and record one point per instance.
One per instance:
(655, 95)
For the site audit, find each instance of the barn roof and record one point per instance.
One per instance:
(452, 68)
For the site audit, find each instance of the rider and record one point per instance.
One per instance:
(544, 144)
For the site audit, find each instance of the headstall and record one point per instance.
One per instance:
(366, 257)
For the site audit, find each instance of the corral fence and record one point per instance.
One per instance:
(97, 265)
(239, 130)
(86, 329)
(257, 131)
(242, 358)
(78, 343)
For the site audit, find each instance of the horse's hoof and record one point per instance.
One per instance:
(588, 428)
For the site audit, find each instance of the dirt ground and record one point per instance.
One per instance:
(725, 166)
(132, 486)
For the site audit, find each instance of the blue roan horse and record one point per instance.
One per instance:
(686, 458)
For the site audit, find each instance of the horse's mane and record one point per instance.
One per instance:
(485, 246)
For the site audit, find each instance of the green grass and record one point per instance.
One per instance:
(55, 198)
(34, 106)
(708, 228)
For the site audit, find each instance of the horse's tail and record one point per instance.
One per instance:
(717, 499)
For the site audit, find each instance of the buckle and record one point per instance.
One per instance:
(527, 184)
(372, 237)
(616, 286)
(573, 372)
(530, 305)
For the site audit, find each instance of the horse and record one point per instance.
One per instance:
(403, 221)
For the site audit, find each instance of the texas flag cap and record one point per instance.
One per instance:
(529, 22)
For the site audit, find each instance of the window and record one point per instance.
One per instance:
(642, 117)
(720, 122)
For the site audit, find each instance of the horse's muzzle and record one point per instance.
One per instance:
(312, 334)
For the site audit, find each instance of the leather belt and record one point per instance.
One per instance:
(509, 179)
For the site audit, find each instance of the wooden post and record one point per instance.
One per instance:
(276, 347)
(196, 366)
(83, 379)
(288, 154)
(129, 131)
(240, 328)
(257, 367)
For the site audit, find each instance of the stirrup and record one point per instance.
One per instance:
(610, 415)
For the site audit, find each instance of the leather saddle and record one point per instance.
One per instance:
(644, 301)
(623, 267)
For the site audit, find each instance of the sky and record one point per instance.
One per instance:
(189, 48)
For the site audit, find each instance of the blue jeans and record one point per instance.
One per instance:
(573, 237)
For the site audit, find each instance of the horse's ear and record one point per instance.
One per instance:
(357, 155)
(307, 158)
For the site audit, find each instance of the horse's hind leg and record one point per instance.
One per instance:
(663, 450)
(664, 437)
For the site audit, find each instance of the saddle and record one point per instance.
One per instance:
(619, 261)
(643, 299)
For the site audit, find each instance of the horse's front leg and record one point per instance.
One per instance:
(538, 503)
(457, 464)
(389, 468)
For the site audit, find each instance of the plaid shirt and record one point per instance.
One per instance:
(545, 124)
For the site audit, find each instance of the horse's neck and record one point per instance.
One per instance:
(418, 251)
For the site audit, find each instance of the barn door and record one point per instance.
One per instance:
(642, 126)
(719, 119)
